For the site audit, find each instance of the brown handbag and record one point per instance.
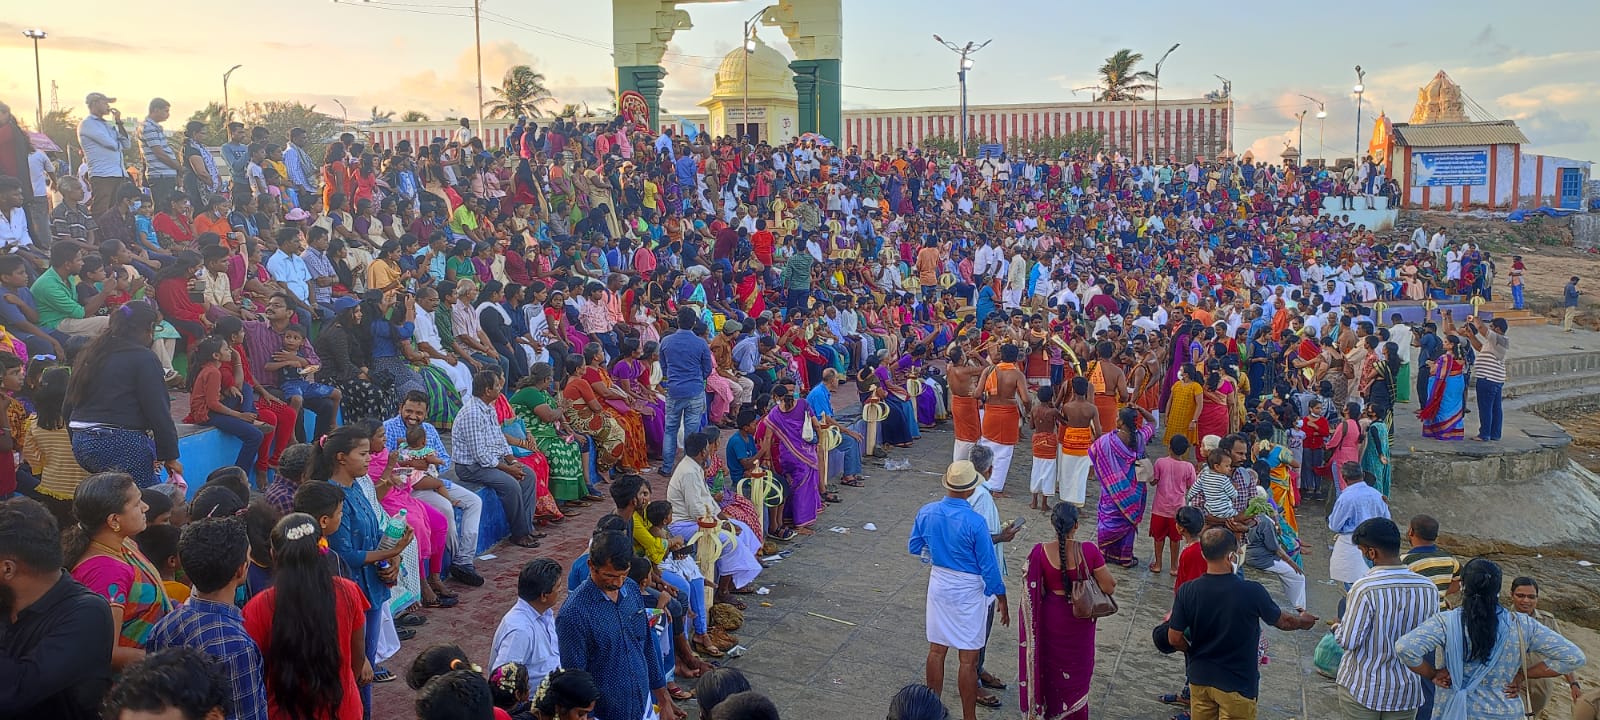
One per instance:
(1088, 600)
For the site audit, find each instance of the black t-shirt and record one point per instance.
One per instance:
(1221, 617)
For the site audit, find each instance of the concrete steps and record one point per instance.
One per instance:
(1553, 383)
(1551, 364)
(1514, 318)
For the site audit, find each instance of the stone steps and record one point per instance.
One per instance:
(1552, 383)
(1551, 364)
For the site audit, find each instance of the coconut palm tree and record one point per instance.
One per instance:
(413, 116)
(520, 94)
(381, 117)
(1120, 79)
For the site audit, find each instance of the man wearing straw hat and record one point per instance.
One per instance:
(954, 539)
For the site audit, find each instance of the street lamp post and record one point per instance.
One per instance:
(749, 42)
(966, 52)
(343, 113)
(1322, 121)
(1300, 138)
(227, 109)
(477, 48)
(1157, 108)
(1360, 88)
(36, 35)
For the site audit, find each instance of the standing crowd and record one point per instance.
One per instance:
(396, 334)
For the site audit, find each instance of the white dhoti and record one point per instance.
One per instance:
(1072, 477)
(1345, 563)
(1011, 298)
(1002, 464)
(1043, 478)
(963, 450)
(739, 558)
(957, 609)
(460, 375)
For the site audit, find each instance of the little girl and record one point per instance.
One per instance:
(417, 449)
(393, 483)
(206, 406)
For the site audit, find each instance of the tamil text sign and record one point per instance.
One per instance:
(1456, 167)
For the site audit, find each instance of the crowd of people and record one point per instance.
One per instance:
(590, 303)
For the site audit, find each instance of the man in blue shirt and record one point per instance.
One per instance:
(215, 553)
(820, 399)
(955, 539)
(463, 538)
(685, 365)
(603, 630)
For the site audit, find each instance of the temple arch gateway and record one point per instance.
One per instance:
(642, 29)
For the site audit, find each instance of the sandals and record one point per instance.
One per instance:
(679, 694)
(991, 682)
(989, 701)
(1174, 699)
(852, 482)
(782, 534)
(441, 602)
(707, 649)
(831, 497)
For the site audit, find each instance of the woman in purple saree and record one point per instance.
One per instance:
(781, 434)
(1121, 494)
(633, 375)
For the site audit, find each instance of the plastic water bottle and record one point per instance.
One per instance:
(926, 556)
(393, 531)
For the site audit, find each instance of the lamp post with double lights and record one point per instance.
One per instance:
(1157, 108)
(1360, 89)
(749, 42)
(1322, 121)
(966, 52)
(36, 35)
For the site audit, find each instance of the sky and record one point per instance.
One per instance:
(1534, 65)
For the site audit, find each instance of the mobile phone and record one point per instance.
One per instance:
(1019, 522)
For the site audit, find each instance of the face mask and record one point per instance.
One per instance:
(137, 204)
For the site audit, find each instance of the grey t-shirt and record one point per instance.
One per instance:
(1262, 537)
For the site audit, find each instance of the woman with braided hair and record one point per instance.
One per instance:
(1056, 656)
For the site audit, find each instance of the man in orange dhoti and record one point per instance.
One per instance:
(963, 373)
(1080, 425)
(1109, 383)
(1004, 388)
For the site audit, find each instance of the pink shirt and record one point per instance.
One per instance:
(1173, 479)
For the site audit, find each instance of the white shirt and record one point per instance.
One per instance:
(14, 229)
(39, 170)
(527, 636)
(1400, 335)
(983, 502)
(687, 491)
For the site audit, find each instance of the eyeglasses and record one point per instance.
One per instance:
(44, 357)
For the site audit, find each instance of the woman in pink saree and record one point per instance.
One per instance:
(781, 437)
(1056, 651)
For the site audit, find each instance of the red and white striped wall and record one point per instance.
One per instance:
(1185, 128)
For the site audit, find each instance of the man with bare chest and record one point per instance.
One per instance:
(963, 372)
(1004, 399)
(1042, 480)
(1109, 383)
(1079, 426)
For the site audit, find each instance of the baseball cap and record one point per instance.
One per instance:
(344, 302)
(960, 476)
(91, 97)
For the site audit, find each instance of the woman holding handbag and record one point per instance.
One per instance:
(1068, 587)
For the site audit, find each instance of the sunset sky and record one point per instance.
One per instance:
(1534, 65)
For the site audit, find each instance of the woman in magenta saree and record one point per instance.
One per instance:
(1056, 651)
(632, 373)
(1442, 416)
(783, 430)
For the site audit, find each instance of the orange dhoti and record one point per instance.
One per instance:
(1002, 426)
(1108, 406)
(968, 422)
(1072, 465)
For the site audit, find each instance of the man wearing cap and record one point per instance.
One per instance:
(103, 142)
(955, 540)
(722, 353)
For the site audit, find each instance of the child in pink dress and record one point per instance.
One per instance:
(394, 483)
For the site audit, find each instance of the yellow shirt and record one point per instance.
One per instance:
(382, 274)
(646, 543)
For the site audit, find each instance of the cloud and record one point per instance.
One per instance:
(11, 36)
(1487, 44)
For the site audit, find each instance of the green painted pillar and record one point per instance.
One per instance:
(645, 80)
(805, 85)
(830, 108)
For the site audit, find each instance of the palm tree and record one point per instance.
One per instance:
(216, 119)
(1120, 79)
(381, 117)
(571, 111)
(413, 116)
(520, 94)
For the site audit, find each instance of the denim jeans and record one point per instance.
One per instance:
(681, 412)
(1490, 416)
(249, 437)
(1516, 297)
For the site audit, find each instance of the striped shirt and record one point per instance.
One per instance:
(1388, 602)
(1490, 362)
(152, 137)
(1214, 493)
(1436, 565)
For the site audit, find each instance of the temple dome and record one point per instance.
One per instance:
(770, 76)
